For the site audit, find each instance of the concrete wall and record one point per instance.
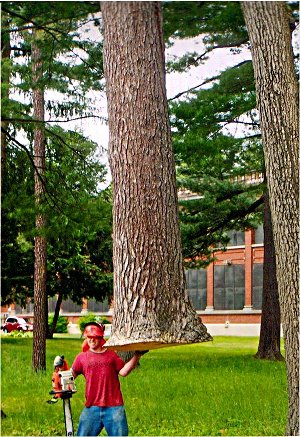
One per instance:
(225, 329)
(235, 329)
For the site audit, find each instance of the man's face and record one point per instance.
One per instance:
(94, 343)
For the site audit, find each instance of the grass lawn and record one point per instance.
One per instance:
(208, 389)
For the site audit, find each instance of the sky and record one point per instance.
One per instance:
(176, 82)
(97, 130)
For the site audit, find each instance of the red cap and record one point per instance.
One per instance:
(93, 331)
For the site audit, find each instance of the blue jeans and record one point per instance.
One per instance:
(94, 419)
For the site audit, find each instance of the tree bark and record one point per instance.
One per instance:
(56, 314)
(151, 305)
(269, 340)
(268, 25)
(40, 246)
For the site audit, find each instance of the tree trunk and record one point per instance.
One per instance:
(269, 341)
(151, 305)
(56, 314)
(5, 76)
(40, 247)
(268, 25)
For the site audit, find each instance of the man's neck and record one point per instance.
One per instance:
(100, 350)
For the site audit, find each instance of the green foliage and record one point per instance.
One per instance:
(87, 318)
(223, 21)
(79, 222)
(220, 23)
(102, 320)
(212, 159)
(91, 317)
(72, 62)
(212, 163)
(185, 390)
(18, 334)
(78, 216)
(61, 325)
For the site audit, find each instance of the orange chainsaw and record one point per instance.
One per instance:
(63, 387)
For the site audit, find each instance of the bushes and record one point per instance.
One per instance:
(61, 326)
(17, 333)
(90, 317)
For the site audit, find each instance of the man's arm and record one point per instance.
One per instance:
(132, 363)
(76, 367)
(73, 373)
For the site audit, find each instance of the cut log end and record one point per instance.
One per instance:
(132, 345)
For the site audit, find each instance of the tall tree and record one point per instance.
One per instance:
(59, 36)
(269, 27)
(78, 228)
(49, 71)
(207, 155)
(5, 76)
(40, 241)
(151, 304)
(215, 164)
(269, 340)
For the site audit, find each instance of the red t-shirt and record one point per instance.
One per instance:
(101, 374)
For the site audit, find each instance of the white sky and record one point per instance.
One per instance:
(219, 60)
(175, 83)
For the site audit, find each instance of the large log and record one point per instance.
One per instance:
(151, 305)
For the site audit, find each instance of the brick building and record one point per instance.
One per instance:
(228, 292)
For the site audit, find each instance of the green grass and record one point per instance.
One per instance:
(209, 389)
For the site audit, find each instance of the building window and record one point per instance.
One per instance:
(259, 235)
(257, 285)
(28, 308)
(67, 306)
(98, 307)
(229, 287)
(51, 304)
(196, 287)
(237, 238)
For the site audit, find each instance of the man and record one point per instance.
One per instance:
(104, 406)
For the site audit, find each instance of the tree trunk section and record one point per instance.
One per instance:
(268, 25)
(40, 246)
(269, 341)
(56, 314)
(151, 305)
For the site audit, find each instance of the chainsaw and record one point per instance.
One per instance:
(63, 387)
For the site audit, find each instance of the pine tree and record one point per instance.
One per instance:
(269, 30)
(49, 72)
(224, 26)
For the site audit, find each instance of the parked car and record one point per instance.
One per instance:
(16, 323)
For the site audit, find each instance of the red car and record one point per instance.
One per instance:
(16, 323)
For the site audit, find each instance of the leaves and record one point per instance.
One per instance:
(213, 161)
(78, 213)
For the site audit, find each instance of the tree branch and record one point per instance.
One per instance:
(45, 29)
(206, 81)
(21, 146)
(221, 46)
(54, 200)
(30, 120)
(77, 152)
(194, 87)
(237, 214)
(39, 26)
(234, 120)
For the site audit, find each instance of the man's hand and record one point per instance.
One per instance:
(140, 353)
